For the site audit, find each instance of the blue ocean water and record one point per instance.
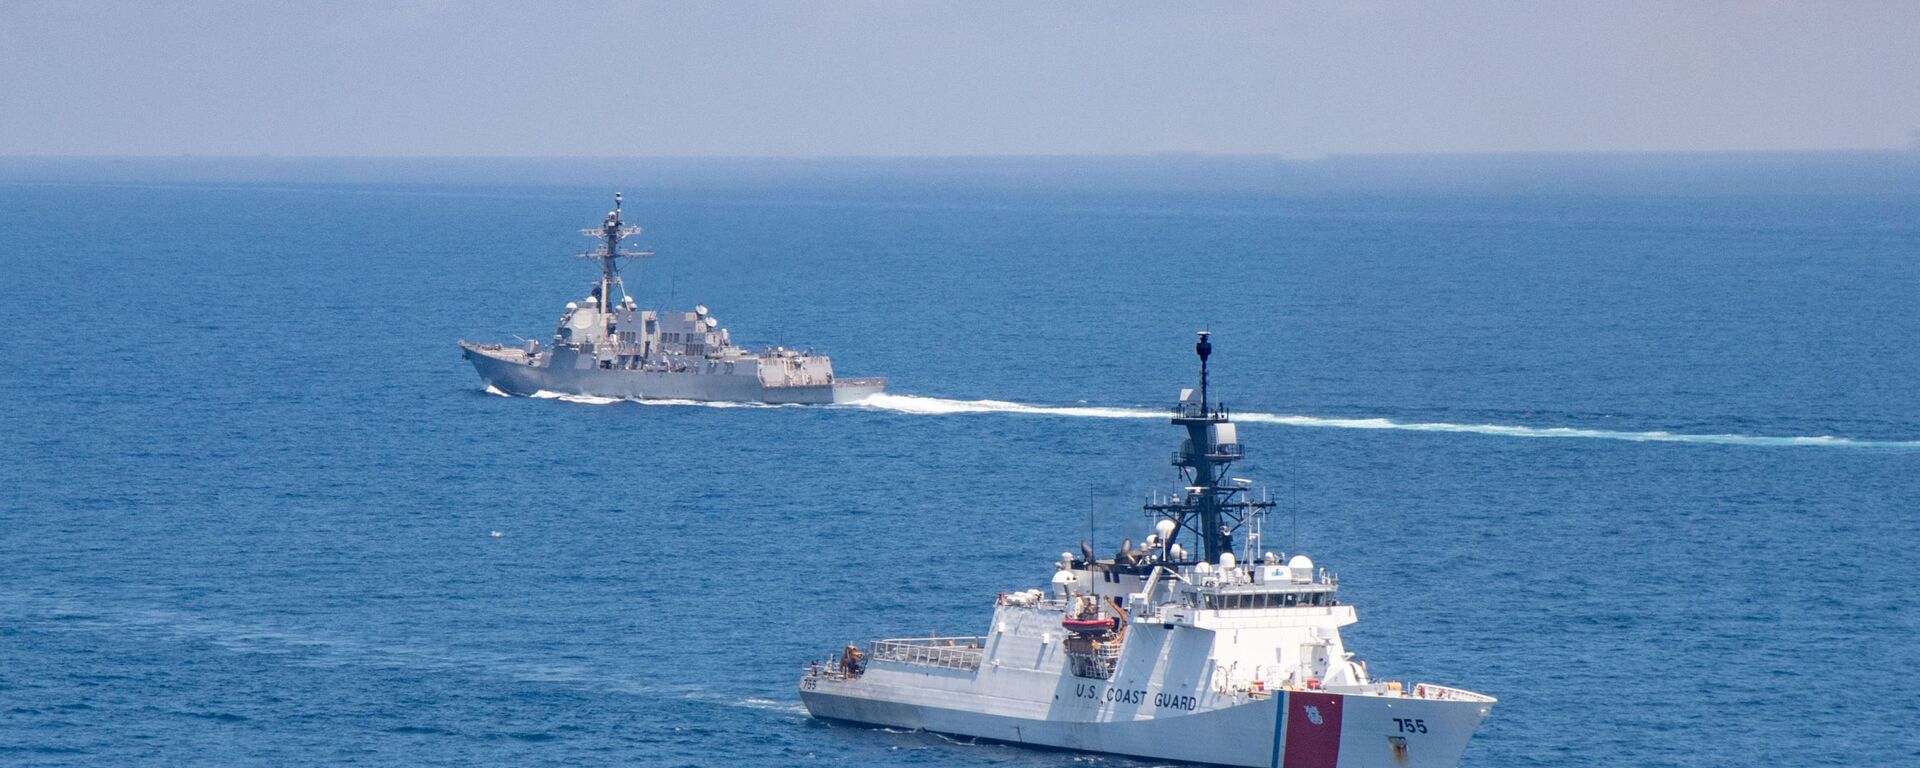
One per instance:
(1644, 465)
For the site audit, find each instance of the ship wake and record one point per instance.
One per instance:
(934, 406)
(917, 405)
(597, 400)
(311, 647)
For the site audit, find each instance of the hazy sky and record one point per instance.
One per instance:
(961, 78)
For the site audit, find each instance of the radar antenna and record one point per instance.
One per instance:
(1212, 511)
(608, 253)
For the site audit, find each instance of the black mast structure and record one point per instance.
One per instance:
(1212, 511)
(610, 233)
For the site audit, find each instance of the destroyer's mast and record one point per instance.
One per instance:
(610, 233)
(1212, 512)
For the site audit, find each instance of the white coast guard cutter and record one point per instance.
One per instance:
(1182, 649)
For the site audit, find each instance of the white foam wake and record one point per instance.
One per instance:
(934, 406)
(939, 406)
(582, 399)
(597, 400)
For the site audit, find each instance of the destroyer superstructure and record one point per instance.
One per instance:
(1197, 646)
(607, 346)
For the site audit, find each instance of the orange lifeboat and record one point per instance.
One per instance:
(1093, 626)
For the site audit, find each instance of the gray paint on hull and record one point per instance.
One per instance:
(520, 379)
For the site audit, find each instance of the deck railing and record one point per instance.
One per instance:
(1097, 661)
(1444, 693)
(1194, 411)
(939, 652)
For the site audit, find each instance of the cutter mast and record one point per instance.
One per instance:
(1211, 507)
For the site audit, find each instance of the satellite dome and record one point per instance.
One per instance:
(1226, 560)
(1302, 567)
(572, 305)
(1164, 528)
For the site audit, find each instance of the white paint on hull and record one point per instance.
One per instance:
(1239, 734)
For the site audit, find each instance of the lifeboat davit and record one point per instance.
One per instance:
(1089, 626)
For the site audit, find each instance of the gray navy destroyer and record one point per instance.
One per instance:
(606, 346)
(1198, 646)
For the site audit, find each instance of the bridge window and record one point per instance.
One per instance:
(1259, 600)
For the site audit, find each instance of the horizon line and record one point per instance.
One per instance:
(1163, 155)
